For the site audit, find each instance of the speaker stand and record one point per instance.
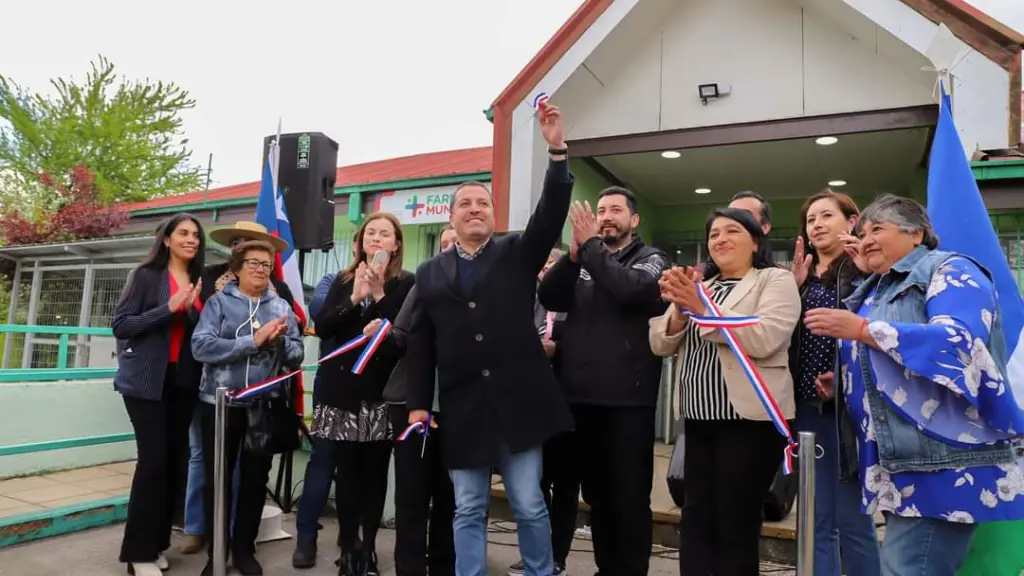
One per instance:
(283, 494)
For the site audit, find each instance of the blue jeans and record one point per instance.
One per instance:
(521, 474)
(838, 521)
(195, 520)
(316, 486)
(195, 523)
(924, 546)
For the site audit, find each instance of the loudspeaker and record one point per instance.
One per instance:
(306, 174)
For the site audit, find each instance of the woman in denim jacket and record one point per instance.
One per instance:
(923, 377)
(826, 275)
(246, 334)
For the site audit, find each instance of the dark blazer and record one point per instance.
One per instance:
(496, 385)
(338, 322)
(396, 391)
(141, 324)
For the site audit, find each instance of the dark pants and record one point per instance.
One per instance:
(316, 487)
(561, 486)
(616, 458)
(252, 483)
(424, 497)
(161, 440)
(360, 491)
(729, 468)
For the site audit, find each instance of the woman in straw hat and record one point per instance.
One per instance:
(215, 277)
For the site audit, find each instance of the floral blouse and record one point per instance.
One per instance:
(950, 350)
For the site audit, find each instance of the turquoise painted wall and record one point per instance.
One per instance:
(43, 411)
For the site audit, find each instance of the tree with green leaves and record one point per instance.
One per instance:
(128, 134)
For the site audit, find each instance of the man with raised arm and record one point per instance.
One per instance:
(473, 321)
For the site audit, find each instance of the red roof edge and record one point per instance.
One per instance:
(994, 27)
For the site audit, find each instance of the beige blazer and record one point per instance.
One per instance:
(770, 294)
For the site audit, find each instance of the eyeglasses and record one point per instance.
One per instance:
(254, 264)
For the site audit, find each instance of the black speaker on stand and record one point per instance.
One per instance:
(306, 173)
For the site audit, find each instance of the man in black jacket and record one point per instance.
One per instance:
(420, 477)
(473, 321)
(608, 285)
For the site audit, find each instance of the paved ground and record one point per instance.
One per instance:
(94, 553)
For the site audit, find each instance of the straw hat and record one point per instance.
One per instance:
(248, 231)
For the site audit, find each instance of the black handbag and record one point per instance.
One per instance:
(273, 426)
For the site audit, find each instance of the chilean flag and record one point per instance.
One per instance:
(271, 212)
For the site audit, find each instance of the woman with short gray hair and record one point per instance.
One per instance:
(923, 364)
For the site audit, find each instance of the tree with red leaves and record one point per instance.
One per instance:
(78, 213)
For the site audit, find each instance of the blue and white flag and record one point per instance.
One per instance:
(963, 225)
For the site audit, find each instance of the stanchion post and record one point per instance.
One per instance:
(220, 559)
(806, 452)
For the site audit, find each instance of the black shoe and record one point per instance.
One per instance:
(208, 569)
(370, 564)
(560, 569)
(305, 553)
(247, 565)
(350, 564)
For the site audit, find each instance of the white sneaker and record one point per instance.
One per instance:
(144, 569)
(161, 562)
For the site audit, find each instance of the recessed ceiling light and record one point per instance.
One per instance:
(837, 183)
(826, 141)
(670, 154)
(703, 190)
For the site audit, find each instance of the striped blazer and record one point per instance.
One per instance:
(142, 323)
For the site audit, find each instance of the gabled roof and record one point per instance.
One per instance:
(465, 162)
(985, 34)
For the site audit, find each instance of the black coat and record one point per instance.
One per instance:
(496, 385)
(141, 324)
(606, 359)
(396, 391)
(338, 322)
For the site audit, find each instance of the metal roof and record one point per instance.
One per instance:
(119, 249)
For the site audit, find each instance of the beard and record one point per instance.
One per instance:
(613, 236)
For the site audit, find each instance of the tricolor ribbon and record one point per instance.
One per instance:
(372, 347)
(364, 359)
(422, 428)
(414, 428)
(726, 324)
(540, 99)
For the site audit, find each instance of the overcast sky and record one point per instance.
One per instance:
(384, 78)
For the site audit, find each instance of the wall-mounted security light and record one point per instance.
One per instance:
(714, 90)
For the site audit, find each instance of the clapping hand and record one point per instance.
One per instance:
(374, 280)
(181, 299)
(584, 224)
(360, 288)
(801, 265)
(271, 331)
(679, 287)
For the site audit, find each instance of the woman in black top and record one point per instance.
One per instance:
(350, 418)
(158, 379)
(826, 275)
